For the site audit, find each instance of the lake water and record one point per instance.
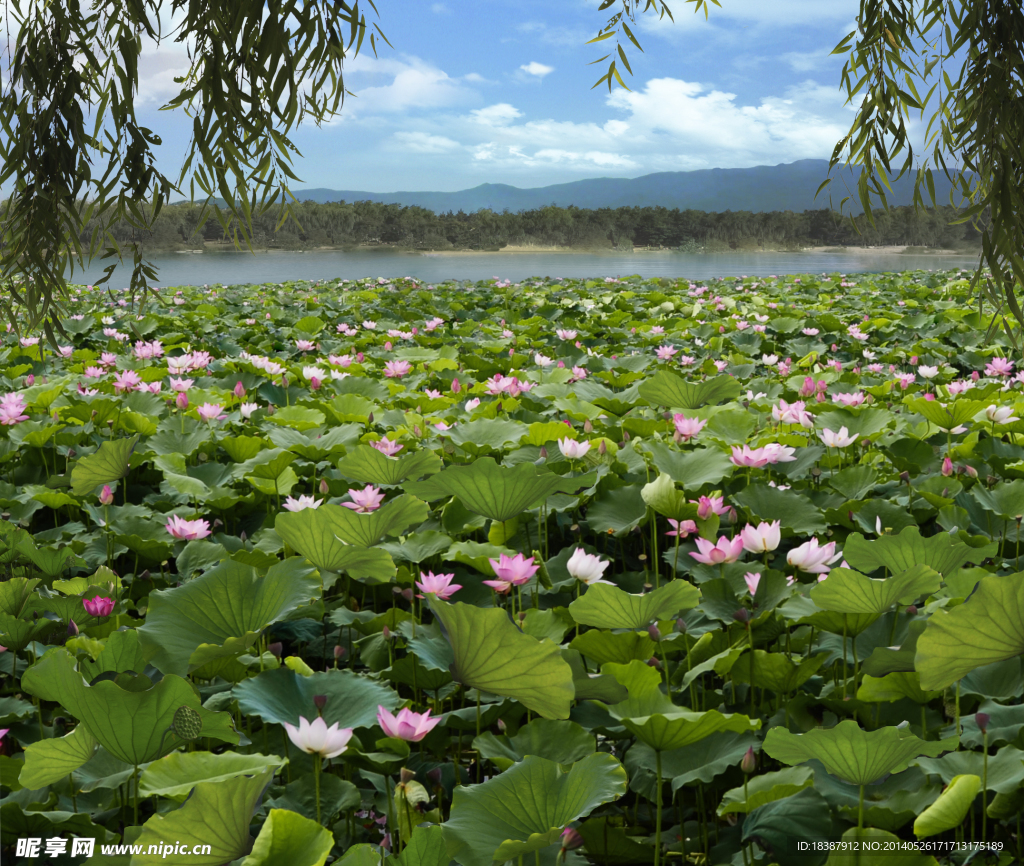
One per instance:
(180, 269)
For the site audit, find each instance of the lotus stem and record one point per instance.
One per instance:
(860, 810)
(316, 781)
(984, 786)
(657, 808)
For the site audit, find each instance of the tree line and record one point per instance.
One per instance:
(365, 223)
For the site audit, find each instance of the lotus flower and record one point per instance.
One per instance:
(999, 367)
(761, 538)
(586, 567)
(396, 369)
(750, 458)
(812, 557)
(687, 428)
(211, 412)
(387, 447)
(725, 550)
(315, 738)
(302, 503)
(106, 495)
(128, 380)
(187, 530)
(439, 584)
(752, 579)
(1000, 414)
(573, 450)
(12, 409)
(98, 605)
(838, 440)
(511, 571)
(407, 725)
(682, 528)
(366, 500)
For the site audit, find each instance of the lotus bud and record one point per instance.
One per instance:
(386, 633)
(417, 431)
(30, 380)
(571, 839)
(732, 516)
(681, 626)
(654, 663)
(339, 652)
(742, 615)
(602, 449)
(276, 648)
(106, 495)
(501, 725)
(749, 763)
(543, 453)
(314, 383)
(406, 775)
(145, 575)
(911, 610)
(654, 633)
(947, 466)
(975, 376)
(435, 776)
(320, 701)
(991, 481)
(242, 535)
(360, 357)
(324, 486)
(407, 594)
(181, 401)
(588, 428)
(905, 477)
(970, 471)
(239, 390)
(625, 435)
(387, 346)
(456, 387)
(982, 720)
(72, 628)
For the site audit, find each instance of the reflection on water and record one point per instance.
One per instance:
(276, 267)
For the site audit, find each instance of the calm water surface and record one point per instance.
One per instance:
(179, 269)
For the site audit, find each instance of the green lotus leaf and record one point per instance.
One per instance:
(606, 606)
(617, 510)
(309, 325)
(336, 795)
(692, 469)
(217, 814)
(297, 417)
(493, 491)
(366, 464)
(17, 823)
(492, 655)
(700, 762)
(426, 847)
(609, 845)
(775, 671)
(644, 685)
(668, 389)
(48, 761)
(1005, 500)
(949, 811)
(848, 591)
(393, 518)
(227, 607)
(52, 561)
(900, 552)
(288, 837)
(857, 756)
(487, 434)
(419, 546)
(122, 651)
(620, 648)
(780, 826)
(593, 687)
(662, 495)
(945, 415)
(870, 839)
(410, 671)
(130, 724)
(312, 532)
(1005, 770)
(563, 742)
(987, 628)
(793, 510)
(176, 774)
(764, 789)
(893, 687)
(525, 808)
(108, 464)
(854, 482)
(476, 555)
(281, 695)
(1004, 725)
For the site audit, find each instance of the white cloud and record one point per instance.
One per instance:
(407, 84)
(804, 61)
(500, 114)
(440, 9)
(539, 70)
(424, 142)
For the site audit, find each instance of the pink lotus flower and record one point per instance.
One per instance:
(776, 453)
(665, 353)
(407, 725)
(511, 571)
(98, 605)
(682, 528)
(687, 428)
(761, 538)
(573, 450)
(999, 367)
(586, 567)
(366, 500)
(246, 409)
(751, 458)
(106, 495)
(837, 440)
(211, 412)
(181, 401)
(566, 334)
(302, 503)
(305, 345)
(812, 557)
(439, 584)
(726, 550)
(128, 380)
(315, 738)
(94, 372)
(12, 409)
(187, 530)
(752, 579)
(387, 447)
(396, 369)
(707, 505)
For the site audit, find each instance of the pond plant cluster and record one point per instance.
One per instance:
(615, 571)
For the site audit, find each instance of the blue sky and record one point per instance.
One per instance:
(499, 91)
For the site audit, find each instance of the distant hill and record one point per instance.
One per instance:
(763, 188)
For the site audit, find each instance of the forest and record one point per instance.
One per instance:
(365, 223)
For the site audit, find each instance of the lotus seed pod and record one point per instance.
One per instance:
(187, 723)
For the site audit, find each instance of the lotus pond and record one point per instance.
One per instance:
(619, 572)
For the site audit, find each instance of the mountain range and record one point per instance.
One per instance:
(788, 186)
